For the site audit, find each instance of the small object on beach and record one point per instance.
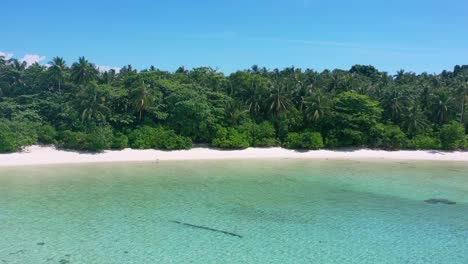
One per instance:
(207, 228)
(437, 201)
(40, 243)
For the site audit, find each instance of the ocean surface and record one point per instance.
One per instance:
(251, 211)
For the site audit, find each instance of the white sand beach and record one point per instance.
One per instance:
(43, 155)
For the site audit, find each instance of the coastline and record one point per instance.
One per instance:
(49, 155)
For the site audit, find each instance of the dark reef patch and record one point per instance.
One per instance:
(437, 201)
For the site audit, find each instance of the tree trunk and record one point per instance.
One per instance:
(462, 113)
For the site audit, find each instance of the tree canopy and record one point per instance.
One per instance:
(80, 107)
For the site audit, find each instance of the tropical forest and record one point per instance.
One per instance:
(76, 106)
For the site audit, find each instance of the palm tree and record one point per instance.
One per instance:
(462, 92)
(143, 99)
(57, 70)
(301, 88)
(338, 81)
(425, 94)
(253, 96)
(393, 102)
(279, 99)
(14, 72)
(83, 71)
(442, 106)
(234, 111)
(316, 106)
(403, 77)
(2, 61)
(93, 103)
(414, 120)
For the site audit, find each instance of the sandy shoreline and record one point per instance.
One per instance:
(46, 155)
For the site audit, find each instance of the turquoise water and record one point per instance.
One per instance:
(258, 211)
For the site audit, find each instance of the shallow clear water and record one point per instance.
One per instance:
(283, 211)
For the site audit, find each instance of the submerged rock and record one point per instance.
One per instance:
(442, 201)
(17, 252)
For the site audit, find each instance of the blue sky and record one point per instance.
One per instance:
(414, 35)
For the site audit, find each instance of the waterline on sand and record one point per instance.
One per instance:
(46, 155)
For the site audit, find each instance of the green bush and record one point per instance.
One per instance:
(305, 140)
(7, 139)
(331, 141)
(99, 139)
(288, 121)
(388, 137)
(17, 134)
(147, 137)
(72, 140)
(120, 141)
(312, 140)
(424, 142)
(172, 141)
(350, 137)
(452, 136)
(293, 140)
(230, 138)
(47, 134)
(259, 135)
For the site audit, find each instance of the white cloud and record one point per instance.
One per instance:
(104, 68)
(6, 55)
(30, 59)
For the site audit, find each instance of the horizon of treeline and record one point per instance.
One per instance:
(78, 107)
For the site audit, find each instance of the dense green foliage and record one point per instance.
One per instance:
(388, 137)
(353, 117)
(306, 140)
(230, 138)
(157, 137)
(424, 142)
(17, 133)
(47, 134)
(452, 136)
(78, 107)
(259, 135)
